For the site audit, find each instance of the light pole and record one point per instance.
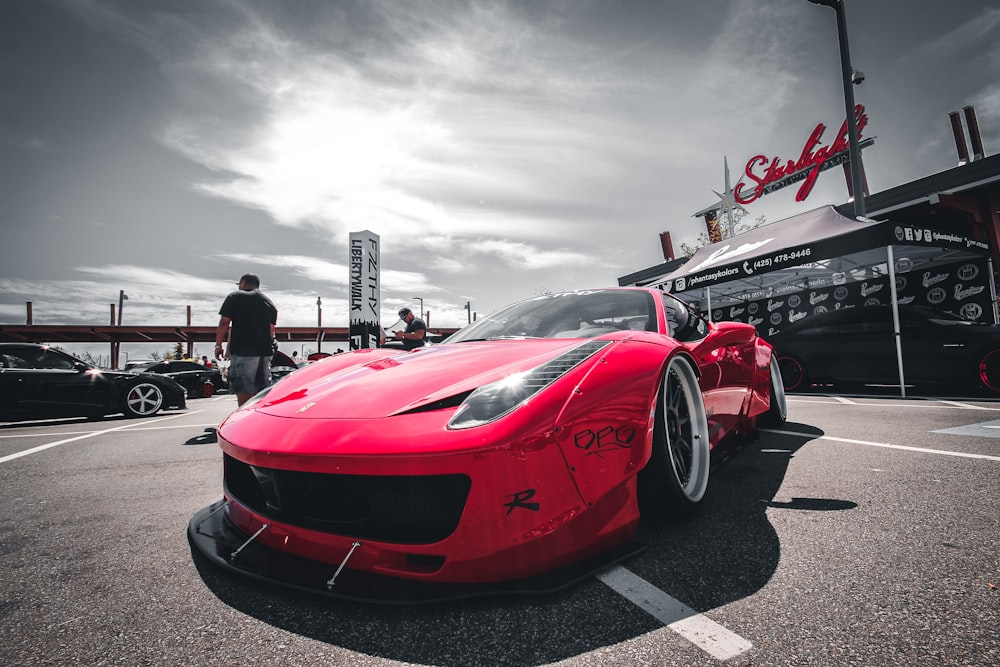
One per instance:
(319, 324)
(421, 306)
(857, 187)
(122, 297)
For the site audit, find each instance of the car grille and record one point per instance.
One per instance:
(410, 509)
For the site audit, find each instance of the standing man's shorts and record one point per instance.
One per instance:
(248, 375)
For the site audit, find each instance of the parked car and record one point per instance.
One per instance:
(856, 346)
(40, 382)
(282, 365)
(199, 380)
(515, 454)
(139, 361)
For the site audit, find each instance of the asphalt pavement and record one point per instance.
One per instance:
(863, 532)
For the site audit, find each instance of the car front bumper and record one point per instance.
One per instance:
(216, 538)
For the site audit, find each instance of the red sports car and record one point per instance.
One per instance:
(515, 456)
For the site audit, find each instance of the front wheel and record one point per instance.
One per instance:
(143, 399)
(676, 477)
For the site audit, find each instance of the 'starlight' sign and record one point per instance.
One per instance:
(363, 295)
(775, 174)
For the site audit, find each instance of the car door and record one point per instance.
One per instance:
(812, 342)
(186, 373)
(15, 385)
(936, 347)
(865, 348)
(62, 386)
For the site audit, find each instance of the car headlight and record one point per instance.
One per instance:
(492, 401)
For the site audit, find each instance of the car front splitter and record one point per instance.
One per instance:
(216, 538)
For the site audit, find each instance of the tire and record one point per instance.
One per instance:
(777, 412)
(793, 373)
(142, 399)
(674, 481)
(989, 371)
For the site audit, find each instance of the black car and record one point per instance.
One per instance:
(856, 346)
(282, 365)
(40, 382)
(200, 381)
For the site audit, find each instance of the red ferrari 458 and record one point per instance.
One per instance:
(515, 456)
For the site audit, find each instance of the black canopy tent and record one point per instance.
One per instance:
(809, 257)
(819, 234)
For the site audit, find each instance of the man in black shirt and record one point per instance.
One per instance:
(247, 320)
(413, 337)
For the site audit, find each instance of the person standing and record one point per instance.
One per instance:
(413, 337)
(247, 320)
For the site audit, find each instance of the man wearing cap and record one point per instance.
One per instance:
(413, 337)
(247, 320)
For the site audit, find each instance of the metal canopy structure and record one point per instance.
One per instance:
(72, 333)
(58, 333)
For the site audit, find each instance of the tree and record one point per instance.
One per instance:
(739, 225)
(178, 350)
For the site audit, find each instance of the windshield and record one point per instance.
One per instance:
(568, 315)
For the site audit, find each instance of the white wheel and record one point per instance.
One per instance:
(675, 480)
(777, 413)
(143, 399)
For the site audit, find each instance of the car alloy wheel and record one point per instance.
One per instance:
(777, 412)
(989, 370)
(675, 480)
(793, 373)
(143, 399)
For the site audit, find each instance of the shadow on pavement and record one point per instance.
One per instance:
(208, 437)
(727, 552)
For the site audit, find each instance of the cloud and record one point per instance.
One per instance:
(312, 269)
(978, 30)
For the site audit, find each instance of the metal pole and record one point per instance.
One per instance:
(847, 73)
(319, 324)
(894, 299)
(857, 185)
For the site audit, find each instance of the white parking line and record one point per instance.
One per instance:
(700, 630)
(942, 452)
(91, 434)
(959, 404)
(920, 404)
(140, 428)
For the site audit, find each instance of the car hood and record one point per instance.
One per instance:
(368, 384)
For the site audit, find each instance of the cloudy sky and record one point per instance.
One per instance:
(499, 149)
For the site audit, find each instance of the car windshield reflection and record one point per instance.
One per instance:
(575, 315)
